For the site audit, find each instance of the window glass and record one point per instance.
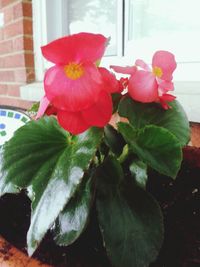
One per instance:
(137, 29)
(97, 16)
(172, 25)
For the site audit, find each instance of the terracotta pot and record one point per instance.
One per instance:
(195, 134)
(192, 152)
(12, 257)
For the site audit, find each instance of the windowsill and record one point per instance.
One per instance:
(187, 92)
(32, 91)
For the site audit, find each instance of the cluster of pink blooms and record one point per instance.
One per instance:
(79, 92)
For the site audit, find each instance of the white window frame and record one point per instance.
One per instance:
(44, 30)
(188, 89)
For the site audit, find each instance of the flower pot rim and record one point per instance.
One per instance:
(12, 257)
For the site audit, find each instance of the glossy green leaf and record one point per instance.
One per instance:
(141, 114)
(72, 221)
(156, 146)
(5, 187)
(46, 160)
(139, 170)
(130, 219)
(114, 140)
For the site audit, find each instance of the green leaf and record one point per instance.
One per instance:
(141, 114)
(139, 170)
(115, 174)
(5, 187)
(73, 219)
(34, 107)
(130, 219)
(156, 146)
(115, 99)
(114, 140)
(46, 160)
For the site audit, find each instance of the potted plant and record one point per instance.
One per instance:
(92, 155)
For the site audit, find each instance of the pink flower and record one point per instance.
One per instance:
(151, 84)
(75, 87)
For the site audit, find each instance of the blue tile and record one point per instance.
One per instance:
(2, 126)
(2, 113)
(17, 116)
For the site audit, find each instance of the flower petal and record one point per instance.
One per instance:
(166, 62)
(140, 63)
(166, 86)
(100, 113)
(79, 47)
(73, 95)
(73, 122)
(43, 106)
(51, 110)
(111, 84)
(143, 87)
(166, 98)
(124, 70)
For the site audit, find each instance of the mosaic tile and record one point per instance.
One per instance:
(10, 121)
(2, 126)
(2, 113)
(17, 116)
(24, 119)
(3, 133)
(10, 114)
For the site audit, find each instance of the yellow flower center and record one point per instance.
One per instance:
(157, 72)
(73, 70)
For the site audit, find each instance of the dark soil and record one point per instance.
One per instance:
(180, 203)
(179, 200)
(14, 223)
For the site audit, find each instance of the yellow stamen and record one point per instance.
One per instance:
(157, 72)
(73, 70)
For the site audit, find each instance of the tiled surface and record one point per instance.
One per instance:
(10, 121)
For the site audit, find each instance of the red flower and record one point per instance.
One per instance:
(75, 87)
(151, 85)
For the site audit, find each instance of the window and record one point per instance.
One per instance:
(137, 29)
(172, 25)
(97, 16)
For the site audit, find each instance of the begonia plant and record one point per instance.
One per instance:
(91, 146)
